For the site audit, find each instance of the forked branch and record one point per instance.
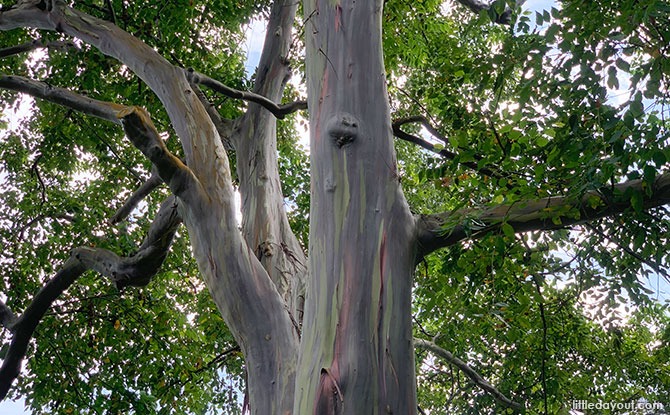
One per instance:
(134, 270)
(467, 371)
(448, 228)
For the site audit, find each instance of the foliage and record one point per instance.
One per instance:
(568, 100)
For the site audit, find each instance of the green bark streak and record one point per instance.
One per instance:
(356, 351)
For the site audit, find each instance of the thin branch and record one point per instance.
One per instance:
(135, 270)
(398, 132)
(279, 111)
(35, 44)
(469, 372)
(110, 8)
(144, 190)
(653, 265)
(448, 228)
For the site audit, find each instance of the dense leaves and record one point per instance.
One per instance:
(567, 100)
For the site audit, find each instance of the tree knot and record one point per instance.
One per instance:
(343, 129)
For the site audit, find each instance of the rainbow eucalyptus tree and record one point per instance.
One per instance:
(320, 324)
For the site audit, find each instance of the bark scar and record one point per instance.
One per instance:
(343, 129)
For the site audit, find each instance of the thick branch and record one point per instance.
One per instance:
(223, 126)
(136, 122)
(265, 223)
(135, 270)
(142, 133)
(167, 81)
(35, 44)
(101, 109)
(279, 111)
(446, 229)
(469, 372)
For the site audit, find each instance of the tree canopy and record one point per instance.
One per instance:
(532, 149)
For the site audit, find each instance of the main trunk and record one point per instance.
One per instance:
(356, 352)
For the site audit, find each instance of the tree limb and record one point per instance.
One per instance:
(136, 122)
(35, 44)
(135, 270)
(138, 195)
(279, 111)
(398, 132)
(265, 225)
(142, 133)
(469, 372)
(448, 228)
(106, 110)
(167, 81)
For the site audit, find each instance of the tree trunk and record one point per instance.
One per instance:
(356, 353)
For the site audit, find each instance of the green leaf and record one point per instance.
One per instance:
(508, 230)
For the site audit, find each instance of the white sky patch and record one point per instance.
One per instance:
(255, 37)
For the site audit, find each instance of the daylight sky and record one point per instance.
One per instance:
(254, 45)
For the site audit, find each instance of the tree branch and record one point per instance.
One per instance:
(398, 132)
(142, 133)
(468, 371)
(136, 270)
(136, 122)
(106, 110)
(35, 44)
(279, 111)
(448, 228)
(167, 81)
(144, 190)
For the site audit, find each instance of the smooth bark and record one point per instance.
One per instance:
(356, 351)
(240, 287)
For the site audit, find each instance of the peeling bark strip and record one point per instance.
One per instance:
(356, 351)
(135, 270)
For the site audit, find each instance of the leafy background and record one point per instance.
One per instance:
(571, 100)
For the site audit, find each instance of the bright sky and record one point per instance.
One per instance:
(255, 38)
